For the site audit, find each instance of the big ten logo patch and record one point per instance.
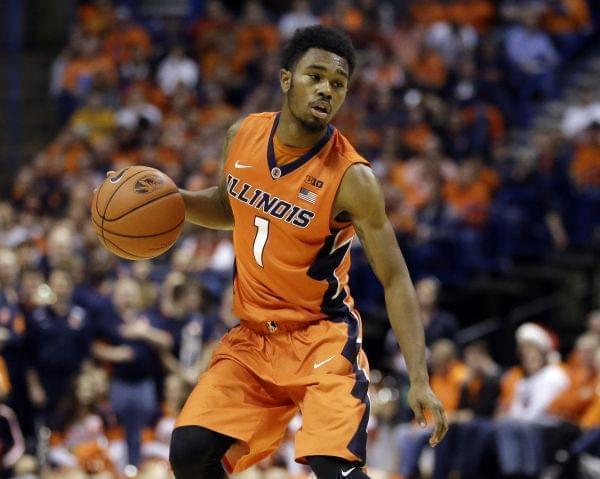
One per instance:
(311, 180)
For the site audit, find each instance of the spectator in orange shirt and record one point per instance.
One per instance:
(572, 402)
(469, 196)
(570, 406)
(471, 424)
(85, 64)
(255, 36)
(585, 166)
(448, 374)
(589, 442)
(416, 134)
(485, 123)
(125, 36)
(566, 16)
(346, 16)
(97, 16)
(208, 31)
(428, 70)
(477, 13)
(590, 419)
(428, 12)
(569, 23)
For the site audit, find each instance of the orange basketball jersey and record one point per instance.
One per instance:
(292, 259)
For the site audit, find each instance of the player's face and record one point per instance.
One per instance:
(317, 88)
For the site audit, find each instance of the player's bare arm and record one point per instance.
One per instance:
(210, 207)
(360, 199)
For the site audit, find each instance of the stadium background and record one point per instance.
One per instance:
(482, 121)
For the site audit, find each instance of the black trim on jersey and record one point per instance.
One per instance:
(297, 163)
(323, 268)
(351, 351)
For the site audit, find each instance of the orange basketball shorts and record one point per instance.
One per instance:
(259, 379)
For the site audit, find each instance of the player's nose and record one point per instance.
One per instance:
(324, 90)
(325, 93)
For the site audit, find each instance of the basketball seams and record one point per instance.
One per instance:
(176, 190)
(112, 196)
(100, 189)
(121, 243)
(124, 251)
(140, 236)
(103, 215)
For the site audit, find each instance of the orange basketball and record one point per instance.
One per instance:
(138, 213)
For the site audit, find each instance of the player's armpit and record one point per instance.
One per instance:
(210, 207)
(361, 199)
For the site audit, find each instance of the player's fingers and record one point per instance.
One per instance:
(419, 416)
(441, 424)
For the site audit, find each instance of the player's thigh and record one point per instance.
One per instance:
(228, 399)
(335, 412)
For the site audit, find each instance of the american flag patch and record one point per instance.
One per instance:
(307, 195)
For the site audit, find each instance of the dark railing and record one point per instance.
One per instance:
(12, 24)
(515, 317)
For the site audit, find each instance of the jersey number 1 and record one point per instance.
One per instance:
(262, 233)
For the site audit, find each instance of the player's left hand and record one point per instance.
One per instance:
(421, 398)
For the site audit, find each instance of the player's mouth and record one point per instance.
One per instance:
(320, 109)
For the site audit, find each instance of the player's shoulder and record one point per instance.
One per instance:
(344, 152)
(265, 115)
(249, 121)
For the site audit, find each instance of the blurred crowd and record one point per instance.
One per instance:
(98, 354)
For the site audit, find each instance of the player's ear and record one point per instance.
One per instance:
(285, 78)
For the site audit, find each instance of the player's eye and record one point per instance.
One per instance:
(315, 77)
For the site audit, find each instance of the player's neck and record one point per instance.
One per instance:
(290, 132)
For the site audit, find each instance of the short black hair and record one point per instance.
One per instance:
(318, 36)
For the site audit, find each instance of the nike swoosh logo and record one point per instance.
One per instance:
(318, 365)
(239, 165)
(117, 178)
(347, 473)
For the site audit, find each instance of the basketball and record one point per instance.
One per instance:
(138, 213)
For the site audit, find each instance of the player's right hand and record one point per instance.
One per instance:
(421, 398)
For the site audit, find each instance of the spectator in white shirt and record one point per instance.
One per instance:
(519, 435)
(452, 40)
(579, 117)
(299, 17)
(177, 68)
(136, 109)
(532, 59)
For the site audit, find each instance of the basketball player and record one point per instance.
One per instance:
(294, 191)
